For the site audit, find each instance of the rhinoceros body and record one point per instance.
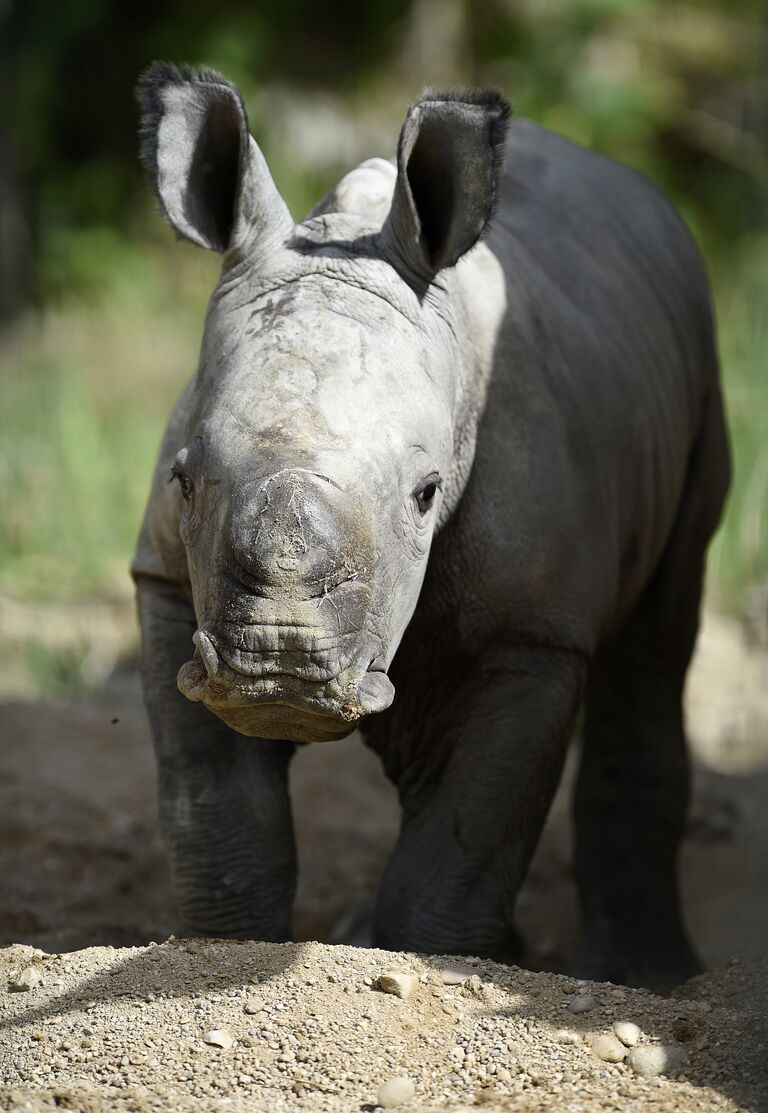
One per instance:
(448, 493)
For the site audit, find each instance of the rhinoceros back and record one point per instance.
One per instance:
(605, 369)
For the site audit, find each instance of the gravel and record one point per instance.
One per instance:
(219, 1037)
(582, 1003)
(627, 1032)
(29, 978)
(456, 975)
(655, 1059)
(606, 1047)
(395, 1091)
(399, 985)
(163, 1029)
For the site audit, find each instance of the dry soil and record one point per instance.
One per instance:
(124, 1029)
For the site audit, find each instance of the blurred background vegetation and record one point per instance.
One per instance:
(101, 311)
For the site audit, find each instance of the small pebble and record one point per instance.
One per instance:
(582, 1003)
(29, 978)
(627, 1032)
(395, 1091)
(564, 1035)
(654, 1059)
(608, 1048)
(219, 1037)
(252, 1006)
(401, 985)
(455, 975)
(475, 987)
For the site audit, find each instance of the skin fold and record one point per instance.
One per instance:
(447, 491)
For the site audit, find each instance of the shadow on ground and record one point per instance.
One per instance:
(162, 998)
(82, 865)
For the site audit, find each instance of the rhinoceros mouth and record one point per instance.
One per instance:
(303, 670)
(281, 723)
(277, 705)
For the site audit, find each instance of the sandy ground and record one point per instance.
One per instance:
(196, 1025)
(81, 866)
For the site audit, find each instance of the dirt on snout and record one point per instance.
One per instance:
(208, 1025)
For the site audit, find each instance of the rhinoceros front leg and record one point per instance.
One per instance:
(488, 769)
(224, 806)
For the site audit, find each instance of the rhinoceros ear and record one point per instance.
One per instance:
(449, 164)
(205, 168)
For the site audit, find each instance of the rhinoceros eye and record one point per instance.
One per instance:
(177, 472)
(425, 495)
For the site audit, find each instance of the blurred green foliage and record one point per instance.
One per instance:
(85, 389)
(739, 556)
(69, 71)
(674, 89)
(89, 372)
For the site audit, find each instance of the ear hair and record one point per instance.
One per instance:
(204, 167)
(499, 112)
(149, 88)
(449, 161)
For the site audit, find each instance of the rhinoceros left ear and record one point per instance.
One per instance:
(205, 168)
(449, 164)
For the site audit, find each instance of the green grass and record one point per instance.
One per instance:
(85, 390)
(75, 474)
(739, 554)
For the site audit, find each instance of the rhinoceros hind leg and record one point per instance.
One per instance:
(633, 786)
(630, 808)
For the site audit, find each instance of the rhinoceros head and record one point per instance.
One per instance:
(325, 429)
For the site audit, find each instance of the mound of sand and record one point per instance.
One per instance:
(220, 1025)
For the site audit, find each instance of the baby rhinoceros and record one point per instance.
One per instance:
(443, 490)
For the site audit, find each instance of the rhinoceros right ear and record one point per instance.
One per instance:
(205, 168)
(449, 163)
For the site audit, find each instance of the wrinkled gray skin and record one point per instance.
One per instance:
(472, 487)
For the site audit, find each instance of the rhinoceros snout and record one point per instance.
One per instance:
(266, 686)
(300, 532)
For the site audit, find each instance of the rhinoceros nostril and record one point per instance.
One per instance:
(207, 651)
